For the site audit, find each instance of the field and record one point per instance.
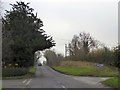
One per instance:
(79, 68)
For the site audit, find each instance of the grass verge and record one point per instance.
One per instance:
(84, 71)
(112, 82)
(80, 68)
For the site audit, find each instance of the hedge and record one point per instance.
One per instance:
(8, 72)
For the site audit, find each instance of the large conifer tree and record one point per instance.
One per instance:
(22, 35)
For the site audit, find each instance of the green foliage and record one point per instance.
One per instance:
(103, 55)
(32, 70)
(8, 72)
(117, 56)
(21, 73)
(22, 35)
(112, 82)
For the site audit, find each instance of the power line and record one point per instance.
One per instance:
(62, 39)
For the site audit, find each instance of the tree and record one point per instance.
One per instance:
(83, 41)
(22, 30)
(52, 57)
(117, 56)
(73, 46)
(81, 44)
(101, 55)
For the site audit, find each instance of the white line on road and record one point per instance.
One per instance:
(28, 82)
(63, 87)
(104, 78)
(24, 81)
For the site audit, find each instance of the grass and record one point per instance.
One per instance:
(30, 73)
(112, 82)
(79, 68)
(32, 70)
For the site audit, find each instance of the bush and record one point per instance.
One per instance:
(102, 55)
(8, 72)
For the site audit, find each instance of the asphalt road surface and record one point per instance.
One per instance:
(46, 77)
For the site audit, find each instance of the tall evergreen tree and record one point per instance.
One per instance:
(22, 30)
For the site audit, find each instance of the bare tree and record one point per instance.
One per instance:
(52, 57)
(83, 42)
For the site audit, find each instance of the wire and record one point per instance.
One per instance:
(62, 39)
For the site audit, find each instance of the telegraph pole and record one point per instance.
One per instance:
(66, 50)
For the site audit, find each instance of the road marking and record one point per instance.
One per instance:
(104, 78)
(24, 81)
(27, 83)
(63, 87)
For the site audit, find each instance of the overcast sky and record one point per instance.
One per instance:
(64, 18)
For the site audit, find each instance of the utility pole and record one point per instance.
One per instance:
(66, 50)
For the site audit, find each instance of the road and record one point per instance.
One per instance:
(46, 77)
